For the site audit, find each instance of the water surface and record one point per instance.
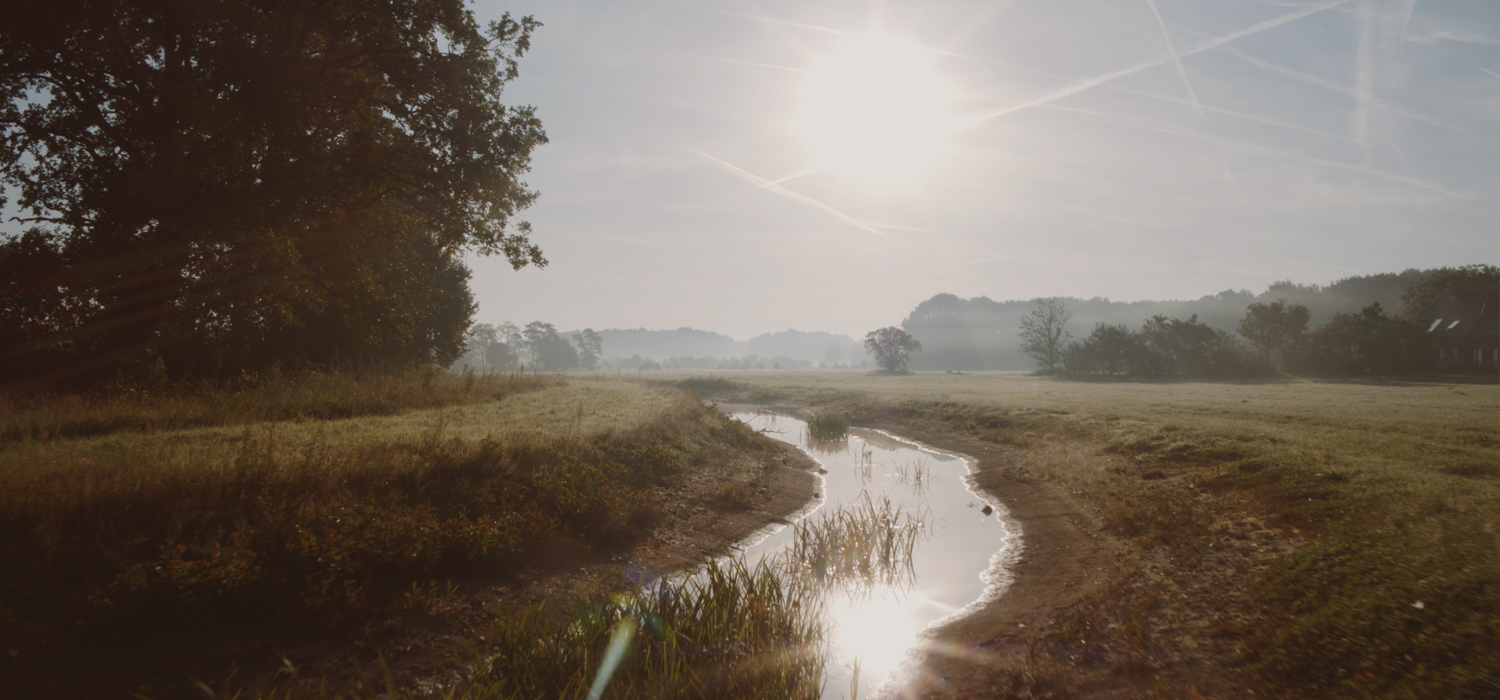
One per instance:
(961, 564)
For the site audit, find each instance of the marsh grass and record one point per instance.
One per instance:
(301, 523)
(858, 546)
(827, 427)
(1317, 539)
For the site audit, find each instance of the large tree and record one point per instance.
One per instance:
(549, 351)
(1042, 334)
(224, 184)
(1273, 325)
(891, 347)
(590, 347)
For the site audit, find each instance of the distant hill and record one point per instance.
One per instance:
(980, 333)
(661, 345)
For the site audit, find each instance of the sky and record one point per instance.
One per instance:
(754, 166)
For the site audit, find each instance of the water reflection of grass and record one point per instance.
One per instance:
(828, 426)
(869, 543)
(918, 474)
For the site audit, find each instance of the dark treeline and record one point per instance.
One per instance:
(981, 334)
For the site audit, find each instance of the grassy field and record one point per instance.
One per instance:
(1306, 538)
(129, 520)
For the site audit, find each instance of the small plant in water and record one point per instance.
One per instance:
(828, 426)
(918, 474)
(859, 546)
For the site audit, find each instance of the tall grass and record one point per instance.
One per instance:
(289, 524)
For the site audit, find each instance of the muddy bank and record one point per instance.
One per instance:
(1065, 558)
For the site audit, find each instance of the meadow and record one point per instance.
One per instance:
(1306, 538)
(305, 506)
(1291, 537)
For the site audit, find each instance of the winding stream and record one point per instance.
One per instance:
(962, 564)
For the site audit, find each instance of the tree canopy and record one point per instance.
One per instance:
(1270, 326)
(891, 347)
(225, 185)
(1420, 294)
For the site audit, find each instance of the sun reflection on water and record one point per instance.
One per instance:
(875, 629)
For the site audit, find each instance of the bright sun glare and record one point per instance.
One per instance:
(876, 110)
(875, 630)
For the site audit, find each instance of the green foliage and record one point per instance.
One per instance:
(228, 185)
(891, 347)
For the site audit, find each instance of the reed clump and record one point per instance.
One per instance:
(866, 544)
(827, 426)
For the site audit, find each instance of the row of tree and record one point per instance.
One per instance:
(1365, 342)
(538, 346)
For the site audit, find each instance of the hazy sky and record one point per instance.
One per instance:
(747, 167)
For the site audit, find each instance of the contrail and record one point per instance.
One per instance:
(1269, 121)
(1177, 60)
(1493, 73)
(1335, 87)
(1214, 43)
(1179, 130)
(788, 178)
(778, 189)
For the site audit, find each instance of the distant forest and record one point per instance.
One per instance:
(980, 333)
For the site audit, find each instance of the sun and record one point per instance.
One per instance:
(876, 110)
